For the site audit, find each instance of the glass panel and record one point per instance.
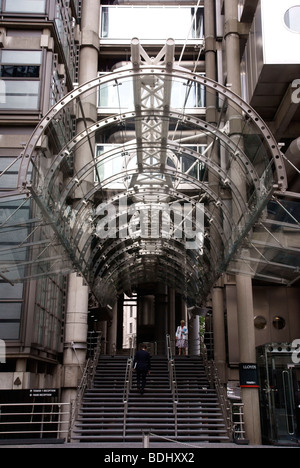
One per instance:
(10, 314)
(19, 94)
(48, 312)
(278, 323)
(25, 6)
(292, 19)
(151, 23)
(186, 94)
(8, 172)
(31, 57)
(113, 164)
(19, 71)
(10, 310)
(11, 292)
(116, 95)
(9, 331)
(119, 95)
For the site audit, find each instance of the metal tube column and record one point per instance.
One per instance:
(219, 331)
(78, 293)
(214, 183)
(250, 396)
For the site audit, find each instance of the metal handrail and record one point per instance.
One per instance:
(127, 385)
(239, 432)
(173, 380)
(45, 419)
(85, 382)
(128, 382)
(213, 377)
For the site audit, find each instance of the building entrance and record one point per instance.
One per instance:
(279, 395)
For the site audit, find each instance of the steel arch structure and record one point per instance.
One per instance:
(170, 165)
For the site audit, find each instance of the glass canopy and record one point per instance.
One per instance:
(149, 192)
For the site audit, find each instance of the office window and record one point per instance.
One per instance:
(13, 216)
(292, 19)
(147, 22)
(9, 169)
(10, 318)
(49, 311)
(24, 6)
(20, 79)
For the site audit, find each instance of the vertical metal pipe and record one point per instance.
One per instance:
(146, 440)
(214, 182)
(78, 293)
(243, 284)
(211, 110)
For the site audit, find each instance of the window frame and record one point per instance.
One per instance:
(107, 39)
(39, 80)
(4, 11)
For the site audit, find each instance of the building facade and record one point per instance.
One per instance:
(150, 153)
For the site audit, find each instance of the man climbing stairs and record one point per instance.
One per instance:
(101, 416)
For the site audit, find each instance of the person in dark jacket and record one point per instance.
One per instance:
(142, 366)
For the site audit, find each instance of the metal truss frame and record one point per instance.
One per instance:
(151, 174)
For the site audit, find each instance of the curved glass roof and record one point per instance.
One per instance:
(150, 192)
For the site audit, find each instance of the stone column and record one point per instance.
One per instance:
(75, 337)
(219, 332)
(88, 69)
(243, 284)
(172, 322)
(250, 396)
(161, 315)
(194, 338)
(78, 293)
(112, 331)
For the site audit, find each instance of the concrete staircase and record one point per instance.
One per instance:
(199, 415)
(153, 411)
(101, 416)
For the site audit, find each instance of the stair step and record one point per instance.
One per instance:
(139, 422)
(138, 438)
(104, 417)
(199, 417)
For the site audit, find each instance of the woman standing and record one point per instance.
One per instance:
(182, 338)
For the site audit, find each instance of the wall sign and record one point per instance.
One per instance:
(43, 392)
(248, 375)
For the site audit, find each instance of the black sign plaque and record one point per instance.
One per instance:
(43, 392)
(248, 375)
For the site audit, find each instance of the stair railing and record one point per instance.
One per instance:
(128, 382)
(173, 380)
(214, 380)
(86, 381)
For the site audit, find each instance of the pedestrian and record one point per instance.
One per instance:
(182, 338)
(142, 366)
